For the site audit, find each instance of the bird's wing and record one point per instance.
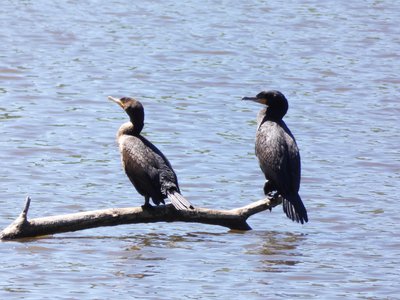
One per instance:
(279, 159)
(167, 176)
(293, 164)
(272, 153)
(140, 164)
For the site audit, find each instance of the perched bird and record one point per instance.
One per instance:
(278, 155)
(146, 167)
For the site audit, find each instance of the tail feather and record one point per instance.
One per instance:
(294, 209)
(178, 201)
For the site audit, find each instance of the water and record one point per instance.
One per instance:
(190, 63)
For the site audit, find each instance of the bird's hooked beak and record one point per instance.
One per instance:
(255, 99)
(116, 100)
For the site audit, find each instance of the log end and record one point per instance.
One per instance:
(15, 229)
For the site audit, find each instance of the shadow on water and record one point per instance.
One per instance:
(277, 250)
(270, 251)
(143, 239)
(206, 257)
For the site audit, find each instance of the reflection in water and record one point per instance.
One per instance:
(162, 240)
(7, 116)
(191, 63)
(277, 250)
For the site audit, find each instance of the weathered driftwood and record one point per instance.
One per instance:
(233, 219)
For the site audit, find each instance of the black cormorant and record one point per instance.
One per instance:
(278, 155)
(146, 167)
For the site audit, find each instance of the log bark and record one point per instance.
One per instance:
(235, 219)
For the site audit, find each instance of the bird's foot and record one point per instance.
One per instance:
(147, 206)
(275, 194)
(268, 188)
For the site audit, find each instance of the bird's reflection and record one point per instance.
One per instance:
(277, 250)
(164, 240)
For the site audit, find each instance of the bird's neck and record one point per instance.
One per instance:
(129, 128)
(274, 115)
(266, 115)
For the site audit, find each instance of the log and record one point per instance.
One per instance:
(235, 219)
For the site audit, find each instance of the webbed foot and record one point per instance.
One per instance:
(268, 188)
(147, 206)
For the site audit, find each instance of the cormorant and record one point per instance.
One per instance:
(278, 155)
(146, 167)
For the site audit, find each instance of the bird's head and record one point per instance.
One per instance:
(275, 101)
(133, 108)
(127, 103)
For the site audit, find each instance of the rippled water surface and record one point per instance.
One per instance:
(190, 63)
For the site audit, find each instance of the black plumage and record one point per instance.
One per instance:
(145, 165)
(278, 154)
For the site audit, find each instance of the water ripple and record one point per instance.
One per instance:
(190, 64)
